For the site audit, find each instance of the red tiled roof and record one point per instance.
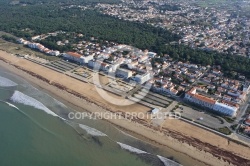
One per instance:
(201, 97)
(247, 121)
(74, 54)
(230, 103)
(205, 99)
(247, 129)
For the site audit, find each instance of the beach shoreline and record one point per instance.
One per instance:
(83, 103)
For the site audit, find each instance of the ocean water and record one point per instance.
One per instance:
(35, 130)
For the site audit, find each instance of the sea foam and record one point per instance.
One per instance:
(92, 131)
(12, 105)
(4, 82)
(131, 149)
(19, 97)
(168, 162)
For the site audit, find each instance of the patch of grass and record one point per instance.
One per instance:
(233, 127)
(224, 130)
(228, 119)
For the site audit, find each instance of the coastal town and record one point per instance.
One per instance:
(213, 28)
(201, 86)
(137, 82)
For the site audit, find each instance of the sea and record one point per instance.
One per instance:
(35, 130)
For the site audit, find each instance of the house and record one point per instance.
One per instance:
(217, 72)
(152, 54)
(173, 91)
(247, 130)
(218, 94)
(36, 37)
(201, 89)
(132, 64)
(98, 65)
(206, 79)
(143, 58)
(224, 85)
(211, 87)
(226, 97)
(220, 89)
(247, 122)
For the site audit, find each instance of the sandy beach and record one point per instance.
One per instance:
(178, 135)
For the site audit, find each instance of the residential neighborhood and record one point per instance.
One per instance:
(201, 85)
(212, 28)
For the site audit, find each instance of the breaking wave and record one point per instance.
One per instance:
(92, 131)
(131, 149)
(39, 125)
(4, 82)
(168, 162)
(12, 105)
(19, 97)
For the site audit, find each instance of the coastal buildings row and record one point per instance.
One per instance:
(39, 47)
(162, 74)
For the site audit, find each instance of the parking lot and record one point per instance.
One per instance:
(152, 98)
(61, 66)
(200, 117)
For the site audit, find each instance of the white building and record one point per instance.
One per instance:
(141, 79)
(86, 59)
(152, 54)
(210, 103)
(54, 53)
(155, 111)
(225, 109)
(78, 57)
(192, 96)
(99, 65)
(73, 56)
(124, 73)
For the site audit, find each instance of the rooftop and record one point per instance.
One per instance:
(74, 54)
(193, 93)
